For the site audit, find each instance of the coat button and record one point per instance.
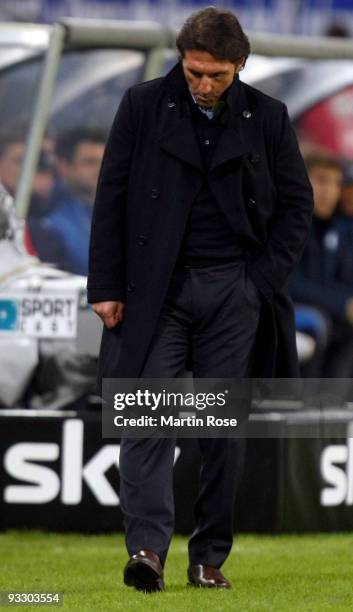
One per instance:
(155, 193)
(142, 240)
(206, 142)
(254, 158)
(246, 114)
(251, 203)
(131, 287)
(171, 103)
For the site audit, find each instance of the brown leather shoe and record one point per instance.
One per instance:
(144, 571)
(207, 576)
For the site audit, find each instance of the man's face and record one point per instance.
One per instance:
(208, 77)
(82, 172)
(326, 184)
(10, 166)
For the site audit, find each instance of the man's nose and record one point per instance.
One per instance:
(204, 85)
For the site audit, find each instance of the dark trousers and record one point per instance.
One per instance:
(211, 314)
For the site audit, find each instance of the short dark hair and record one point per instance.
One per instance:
(318, 159)
(68, 141)
(215, 30)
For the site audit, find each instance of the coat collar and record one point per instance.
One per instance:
(178, 135)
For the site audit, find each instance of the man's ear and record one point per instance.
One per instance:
(241, 65)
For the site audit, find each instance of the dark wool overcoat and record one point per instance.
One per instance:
(152, 171)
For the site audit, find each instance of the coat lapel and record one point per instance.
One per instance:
(179, 140)
(232, 143)
(235, 139)
(177, 135)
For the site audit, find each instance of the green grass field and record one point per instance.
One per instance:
(279, 573)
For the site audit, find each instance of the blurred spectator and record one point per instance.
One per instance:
(62, 235)
(43, 182)
(324, 279)
(79, 156)
(12, 149)
(11, 155)
(42, 187)
(49, 142)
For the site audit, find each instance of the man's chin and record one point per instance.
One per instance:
(205, 103)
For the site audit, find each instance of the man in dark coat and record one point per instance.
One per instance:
(202, 210)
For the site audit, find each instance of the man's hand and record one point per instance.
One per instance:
(111, 313)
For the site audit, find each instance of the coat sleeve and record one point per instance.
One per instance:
(107, 257)
(290, 225)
